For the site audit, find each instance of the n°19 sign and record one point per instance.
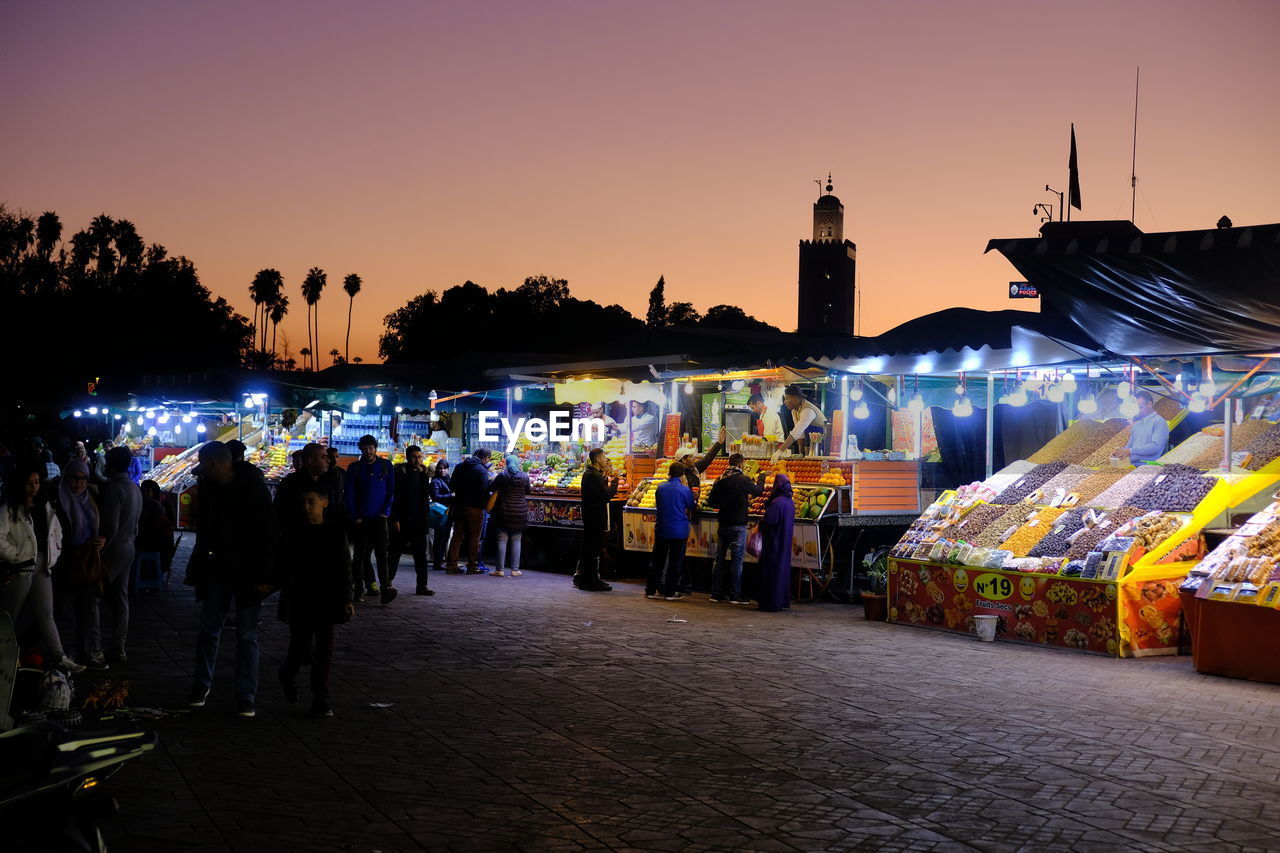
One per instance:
(993, 587)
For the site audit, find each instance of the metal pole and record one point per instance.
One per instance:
(991, 423)
(842, 451)
(1228, 422)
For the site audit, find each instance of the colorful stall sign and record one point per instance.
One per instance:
(544, 512)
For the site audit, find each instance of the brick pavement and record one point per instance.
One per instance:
(530, 716)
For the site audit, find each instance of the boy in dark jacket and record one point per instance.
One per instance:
(732, 494)
(317, 590)
(409, 527)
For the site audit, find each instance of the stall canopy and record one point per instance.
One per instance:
(965, 339)
(1172, 293)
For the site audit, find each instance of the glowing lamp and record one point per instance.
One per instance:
(1056, 394)
(77, 413)
(1124, 389)
(688, 388)
(1129, 407)
(855, 393)
(518, 393)
(200, 429)
(737, 384)
(1069, 383)
(93, 410)
(962, 408)
(916, 404)
(861, 412)
(1019, 397)
(1088, 405)
(1197, 404)
(151, 431)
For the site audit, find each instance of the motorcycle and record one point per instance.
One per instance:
(51, 778)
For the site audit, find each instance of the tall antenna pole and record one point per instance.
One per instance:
(1133, 166)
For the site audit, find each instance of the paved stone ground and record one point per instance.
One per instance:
(529, 716)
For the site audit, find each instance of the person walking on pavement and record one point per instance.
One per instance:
(731, 495)
(231, 567)
(470, 483)
(78, 515)
(511, 512)
(674, 501)
(370, 494)
(441, 493)
(30, 545)
(599, 485)
(317, 579)
(775, 549)
(121, 502)
(409, 527)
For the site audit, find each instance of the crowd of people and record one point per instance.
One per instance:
(71, 535)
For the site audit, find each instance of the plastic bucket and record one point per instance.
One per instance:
(986, 628)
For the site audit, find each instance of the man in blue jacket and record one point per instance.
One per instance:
(370, 490)
(675, 505)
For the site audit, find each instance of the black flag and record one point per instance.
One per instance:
(1073, 190)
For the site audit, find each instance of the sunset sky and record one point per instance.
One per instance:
(423, 144)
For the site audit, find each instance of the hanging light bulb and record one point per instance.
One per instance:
(77, 413)
(164, 419)
(177, 429)
(688, 388)
(960, 389)
(200, 429)
(736, 384)
(1019, 396)
(855, 393)
(916, 404)
(518, 394)
(93, 410)
(1129, 407)
(435, 416)
(377, 399)
(139, 420)
(151, 431)
(892, 396)
(186, 419)
(1088, 404)
(1207, 389)
(125, 428)
(962, 408)
(399, 409)
(1124, 389)
(860, 411)
(1056, 394)
(117, 416)
(1177, 382)
(1197, 404)
(1069, 383)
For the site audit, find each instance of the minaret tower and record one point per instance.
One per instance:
(826, 286)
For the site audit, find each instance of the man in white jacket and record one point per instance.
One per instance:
(121, 503)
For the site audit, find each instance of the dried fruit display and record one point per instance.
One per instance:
(974, 521)
(1126, 487)
(1029, 482)
(1177, 488)
(1263, 449)
(1065, 481)
(1242, 435)
(1097, 483)
(1077, 441)
(1008, 475)
(1085, 542)
(1002, 527)
(1032, 531)
(1057, 541)
(1192, 448)
(1151, 530)
(1101, 456)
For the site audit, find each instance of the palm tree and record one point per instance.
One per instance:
(102, 232)
(305, 352)
(48, 233)
(266, 287)
(312, 285)
(335, 355)
(279, 308)
(351, 284)
(357, 359)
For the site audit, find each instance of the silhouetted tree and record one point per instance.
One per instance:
(682, 314)
(335, 355)
(657, 315)
(351, 284)
(279, 308)
(305, 352)
(267, 286)
(85, 293)
(311, 287)
(733, 317)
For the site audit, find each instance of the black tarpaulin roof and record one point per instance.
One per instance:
(1172, 293)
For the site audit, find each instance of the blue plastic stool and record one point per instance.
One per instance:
(148, 572)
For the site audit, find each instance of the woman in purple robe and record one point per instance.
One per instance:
(775, 551)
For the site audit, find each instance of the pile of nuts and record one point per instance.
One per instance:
(1126, 487)
(1097, 483)
(1263, 449)
(1056, 543)
(1078, 441)
(1029, 482)
(1101, 457)
(1032, 531)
